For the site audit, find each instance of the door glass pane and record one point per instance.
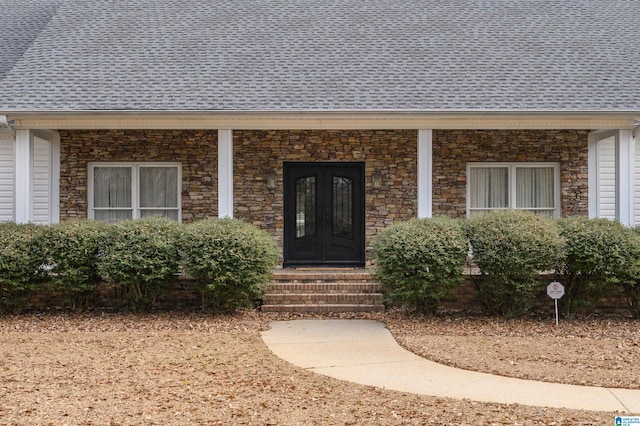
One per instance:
(342, 224)
(489, 188)
(158, 187)
(112, 186)
(305, 207)
(534, 189)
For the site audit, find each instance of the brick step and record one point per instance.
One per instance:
(295, 276)
(323, 308)
(322, 299)
(324, 288)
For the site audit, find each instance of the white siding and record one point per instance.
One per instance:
(41, 181)
(7, 178)
(607, 178)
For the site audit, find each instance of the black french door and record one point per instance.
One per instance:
(324, 214)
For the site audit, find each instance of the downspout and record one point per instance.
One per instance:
(6, 126)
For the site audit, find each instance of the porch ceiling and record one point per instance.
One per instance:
(334, 120)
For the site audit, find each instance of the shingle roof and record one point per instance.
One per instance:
(333, 55)
(20, 23)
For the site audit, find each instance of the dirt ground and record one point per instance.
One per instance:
(196, 369)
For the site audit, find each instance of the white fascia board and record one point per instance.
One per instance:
(331, 120)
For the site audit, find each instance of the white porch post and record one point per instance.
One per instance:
(425, 173)
(225, 173)
(54, 209)
(592, 175)
(625, 159)
(24, 176)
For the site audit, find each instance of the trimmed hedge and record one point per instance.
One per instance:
(631, 283)
(21, 264)
(511, 248)
(141, 256)
(232, 261)
(600, 255)
(420, 261)
(71, 250)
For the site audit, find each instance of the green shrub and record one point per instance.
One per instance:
(141, 256)
(21, 264)
(631, 283)
(71, 250)
(420, 261)
(231, 261)
(599, 253)
(511, 248)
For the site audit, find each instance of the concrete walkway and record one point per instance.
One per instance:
(364, 352)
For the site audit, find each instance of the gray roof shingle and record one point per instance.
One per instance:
(332, 55)
(20, 23)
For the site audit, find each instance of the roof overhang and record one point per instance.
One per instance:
(5, 126)
(326, 120)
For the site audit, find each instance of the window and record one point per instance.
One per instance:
(533, 187)
(120, 191)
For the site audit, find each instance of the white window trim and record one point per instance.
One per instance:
(135, 190)
(512, 183)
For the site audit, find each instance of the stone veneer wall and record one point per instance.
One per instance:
(197, 150)
(392, 153)
(452, 149)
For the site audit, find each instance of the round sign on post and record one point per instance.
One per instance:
(555, 290)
